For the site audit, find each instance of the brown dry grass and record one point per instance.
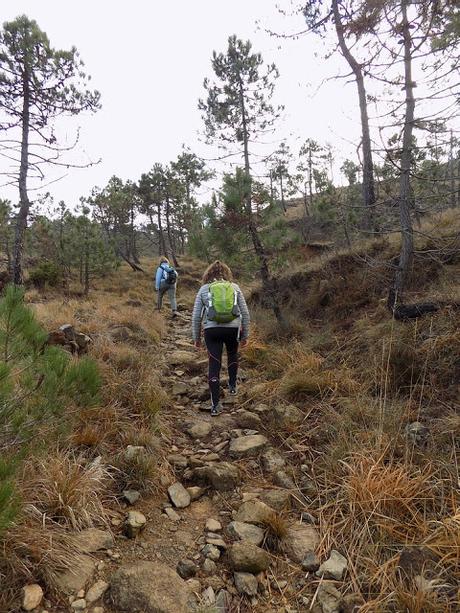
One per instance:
(67, 490)
(275, 527)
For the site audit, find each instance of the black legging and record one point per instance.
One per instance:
(215, 339)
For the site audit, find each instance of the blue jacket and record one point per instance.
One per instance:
(161, 274)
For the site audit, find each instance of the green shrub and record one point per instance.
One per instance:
(45, 273)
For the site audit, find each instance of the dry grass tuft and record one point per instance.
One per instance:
(393, 497)
(275, 530)
(66, 491)
(140, 472)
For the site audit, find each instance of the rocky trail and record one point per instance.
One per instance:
(234, 533)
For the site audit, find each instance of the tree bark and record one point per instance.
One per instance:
(161, 242)
(268, 282)
(24, 203)
(368, 166)
(168, 230)
(407, 234)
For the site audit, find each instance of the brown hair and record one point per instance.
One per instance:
(217, 270)
(163, 260)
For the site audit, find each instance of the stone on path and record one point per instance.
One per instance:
(287, 417)
(179, 495)
(78, 605)
(299, 541)
(150, 587)
(245, 532)
(177, 460)
(276, 499)
(246, 583)
(76, 578)
(209, 567)
(334, 567)
(247, 557)
(92, 540)
(211, 551)
(195, 492)
(96, 591)
(171, 513)
(179, 388)
(135, 522)
(199, 429)
(182, 358)
(247, 419)
(222, 476)
(186, 569)
(212, 525)
(32, 595)
(272, 461)
(253, 512)
(247, 446)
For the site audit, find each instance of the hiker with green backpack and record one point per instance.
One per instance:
(221, 308)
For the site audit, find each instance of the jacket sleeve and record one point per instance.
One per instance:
(245, 317)
(158, 277)
(196, 317)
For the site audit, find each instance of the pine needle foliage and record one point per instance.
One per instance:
(38, 386)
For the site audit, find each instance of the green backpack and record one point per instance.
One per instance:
(222, 302)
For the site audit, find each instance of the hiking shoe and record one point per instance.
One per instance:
(216, 409)
(232, 390)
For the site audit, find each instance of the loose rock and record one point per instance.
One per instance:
(310, 563)
(186, 569)
(287, 417)
(92, 540)
(276, 499)
(247, 446)
(282, 479)
(135, 522)
(131, 589)
(79, 604)
(96, 591)
(177, 460)
(211, 551)
(32, 595)
(247, 557)
(209, 567)
(299, 541)
(245, 532)
(329, 598)
(246, 583)
(77, 577)
(253, 512)
(247, 419)
(212, 525)
(131, 496)
(199, 429)
(272, 461)
(334, 568)
(195, 492)
(222, 477)
(179, 495)
(417, 433)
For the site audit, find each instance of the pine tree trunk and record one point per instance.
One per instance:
(24, 203)
(283, 204)
(407, 235)
(168, 230)
(269, 284)
(368, 166)
(161, 242)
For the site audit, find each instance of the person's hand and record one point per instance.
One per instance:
(244, 342)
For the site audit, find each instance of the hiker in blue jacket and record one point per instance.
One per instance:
(221, 308)
(166, 281)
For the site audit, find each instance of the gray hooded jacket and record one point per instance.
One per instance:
(200, 310)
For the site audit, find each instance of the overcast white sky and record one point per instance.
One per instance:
(148, 59)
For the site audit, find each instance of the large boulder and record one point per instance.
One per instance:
(248, 558)
(299, 541)
(149, 587)
(222, 476)
(247, 446)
